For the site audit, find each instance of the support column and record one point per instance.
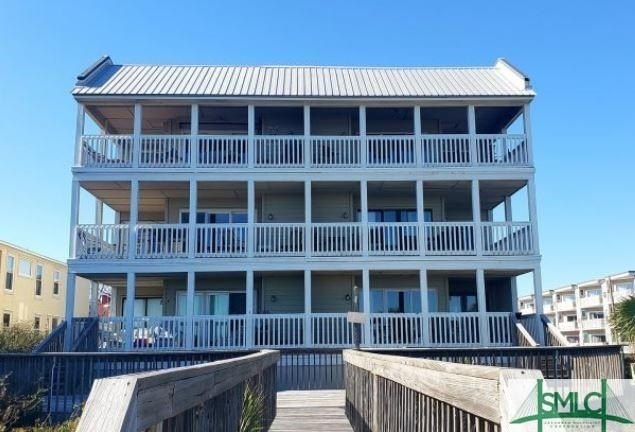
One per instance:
(578, 312)
(418, 143)
(189, 310)
(79, 132)
(538, 302)
(307, 136)
(69, 310)
(251, 131)
(420, 218)
(476, 217)
(482, 307)
(508, 209)
(607, 307)
(133, 219)
(136, 135)
(99, 212)
(363, 194)
(72, 241)
(129, 311)
(533, 214)
(366, 297)
(471, 128)
(251, 217)
(308, 246)
(308, 330)
(514, 292)
(528, 134)
(93, 298)
(193, 208)
(194, 136)
(362, 136)
(249, 308)
(425, 309)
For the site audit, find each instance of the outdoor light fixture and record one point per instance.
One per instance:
(345, 215)
(347, 297)
(273, 299)
(270, 216)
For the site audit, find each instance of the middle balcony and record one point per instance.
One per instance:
(302, 219)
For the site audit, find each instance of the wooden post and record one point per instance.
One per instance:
(308, 333)
(251, 217)
(528, 134)
(418, 142)
(366, 297)
(79, 133)
(189, 332)
(471, 127)
(538, 303)
(476, 217)
(75, 197)
(129, 311)
(251, 131)
(194, 136)
(308, 240)
(133, 218)
(307, 136)
(420, 218)
(69, 310)
(193, 208)
(136, 132)
(249, 308)
(364, 210)
(362, 136)
(533, 214)
(425, 308)
(508, 209)
(482, 308)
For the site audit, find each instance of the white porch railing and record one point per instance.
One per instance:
(454, 329)
(337, 239)
(279, 331)
(591, 301)
(222, 151)
(336, 151)
(446, 150)
(396, 329)
(219, 332)
(500, 329)
(279, 239)
(392, 151)
(449, 238)
(502, 149)
(164, 151)
(101, 241)
(221, 240)
(162, 241)
(106, 151)
(279, 151)
(159, 333)
(507, 238)
(394, 238)
(111, 334)
(331, 330)
(567, 325)
(593, 324)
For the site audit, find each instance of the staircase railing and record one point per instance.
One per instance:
(54, 341)
(86, 339)
(523, 337)
(553, 337)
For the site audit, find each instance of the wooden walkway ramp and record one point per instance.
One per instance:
(311, 410)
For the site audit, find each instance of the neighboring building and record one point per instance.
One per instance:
(34, 289)
(264, 203)
(581, 310)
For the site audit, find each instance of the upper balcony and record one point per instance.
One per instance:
(188, 137)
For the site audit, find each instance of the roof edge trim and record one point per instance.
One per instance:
(98, 65)
(513, 73)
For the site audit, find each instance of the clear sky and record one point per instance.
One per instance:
(580, 57)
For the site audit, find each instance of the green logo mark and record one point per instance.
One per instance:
(541, 405)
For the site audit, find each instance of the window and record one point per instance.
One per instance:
(54, 322)
(56, 282)
(6, 319)
(8, 283)
(213, 303)
(36, 322)
(24, 268)
(400, 300)
(463, 303)
(150, 306)
(231, 239)
(39, 271)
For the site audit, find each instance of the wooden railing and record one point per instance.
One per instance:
(507, 238)
(279, 239)
(107, 241)
(279, 330)
(162, 240)
(208, 396)
(454, 329)
(395, 238)
(54, 341)
(316, 152)
(337, 239)
(436, 395)
(85, 334)
(219, 332)
(221, 240)
(552, 335)
(449, 238)
(331, 330)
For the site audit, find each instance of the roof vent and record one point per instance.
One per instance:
(93, 69)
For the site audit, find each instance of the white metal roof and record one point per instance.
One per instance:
(107, 79)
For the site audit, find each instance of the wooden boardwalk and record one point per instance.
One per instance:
(311, 410)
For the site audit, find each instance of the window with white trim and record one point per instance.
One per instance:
(25, 268)
(36, 322)
(8, 282)
(39, 273)
(6, 319)
(56, 282)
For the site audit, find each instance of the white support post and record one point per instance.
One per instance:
(514, 293)
(471, 127)
(72, 240)
(418, 142)
(538, 302)
(420, 218)
(482, 306)
(308, 243)
(189, 310)
(508, 209)
(79, 132)
(133, 218)
(194, 136)
(578, 312)
(251, 131)
(249, 308)
(476, 217)
(533, 214)
(528, 134)
(69, 310)
(362, 136)
(363, 193)
(93, 298)
(193, 208)
(308, 331)
(99, 212)
(366, 297)
(607, 307)
(307, 136)
(425, 308)
(129, 311)
(251, 217)
(136, 135)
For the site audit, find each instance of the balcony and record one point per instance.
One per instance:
(593, 324)
(568, 325)
(567, 304)
(312, 152)
(591, 301)
(172, 241)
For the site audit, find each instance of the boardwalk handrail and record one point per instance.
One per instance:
(182, 398)
(380, 388)
(553, 337)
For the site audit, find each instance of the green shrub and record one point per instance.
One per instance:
(20, 337)
(17, 409)
(253, 410)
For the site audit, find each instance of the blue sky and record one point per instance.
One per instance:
(579, 56)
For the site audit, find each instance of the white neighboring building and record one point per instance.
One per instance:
(580, 311)
(256, 206)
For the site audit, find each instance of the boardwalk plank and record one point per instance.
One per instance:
(311, 410)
